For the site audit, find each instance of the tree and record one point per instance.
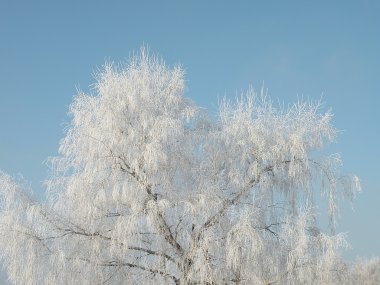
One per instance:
(149, 189)
(366, 272)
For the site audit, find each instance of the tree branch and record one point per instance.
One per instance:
(162, 225)
(131, 265)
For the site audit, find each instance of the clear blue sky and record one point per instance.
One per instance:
(50, 48)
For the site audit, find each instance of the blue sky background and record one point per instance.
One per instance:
(48, 49)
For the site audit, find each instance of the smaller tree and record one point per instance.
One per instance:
(149, 189)
(366, 272)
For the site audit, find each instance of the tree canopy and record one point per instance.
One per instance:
(148, 188)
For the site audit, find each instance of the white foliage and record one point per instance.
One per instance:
(147, 189)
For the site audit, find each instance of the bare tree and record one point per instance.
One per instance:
(148, 189)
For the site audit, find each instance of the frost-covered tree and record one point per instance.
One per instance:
(149, 189)
(365, 272)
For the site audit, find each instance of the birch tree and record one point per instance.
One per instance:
(148, 188)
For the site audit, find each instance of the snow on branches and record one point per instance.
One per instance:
(148, 189)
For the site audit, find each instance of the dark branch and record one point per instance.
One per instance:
(162, 225)
(131, 265)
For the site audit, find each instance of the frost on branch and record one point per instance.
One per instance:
(148, 189)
